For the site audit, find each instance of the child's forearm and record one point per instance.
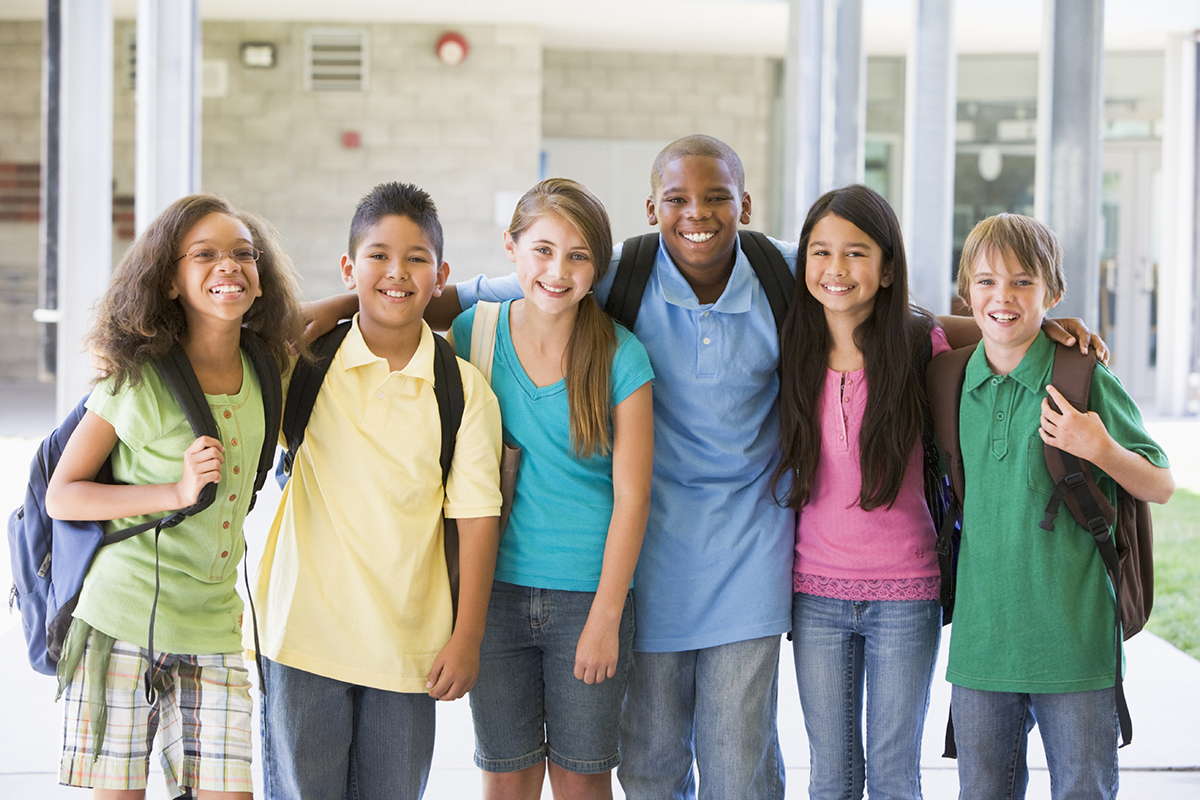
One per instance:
(478, 538)
(443, 308)
(633, 466)
(1134, 473)
(960, 331)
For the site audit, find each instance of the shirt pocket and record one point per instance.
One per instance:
(1037, 477)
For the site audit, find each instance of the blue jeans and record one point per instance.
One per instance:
(1079, 733)
(528, 705)
(715, 706)
(329, 739)
(886, 648)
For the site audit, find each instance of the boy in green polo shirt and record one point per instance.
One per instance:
(1033, 634)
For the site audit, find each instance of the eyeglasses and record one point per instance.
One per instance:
(206, 256)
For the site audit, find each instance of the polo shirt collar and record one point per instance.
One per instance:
(735, 299)
(1030, 373)
(354, 353)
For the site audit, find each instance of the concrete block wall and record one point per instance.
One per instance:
(20, 144)
(462, 133)
(621, 95)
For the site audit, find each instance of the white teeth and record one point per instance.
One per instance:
(835, 289)
(396, 293)
(698, 237)
(226, 289)
(1004, 317)
(554, 289)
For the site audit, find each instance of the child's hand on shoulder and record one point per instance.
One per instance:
(596, 653)
(455, 669)
(1081, 435)
(201, 466)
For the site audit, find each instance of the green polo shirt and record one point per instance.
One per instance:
(199, 610)
(1034, 608)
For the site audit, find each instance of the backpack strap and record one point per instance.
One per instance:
(177, 373)
(448, 387)
(305, 385)
(1075, 484)
(267, 370)
(777, 280)
(638, 255)
(483, 337)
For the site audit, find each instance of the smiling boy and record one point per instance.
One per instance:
(1034, 613)
(357, 636)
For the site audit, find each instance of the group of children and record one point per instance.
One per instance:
(660, 541)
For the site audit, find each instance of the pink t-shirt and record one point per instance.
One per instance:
(845, 552)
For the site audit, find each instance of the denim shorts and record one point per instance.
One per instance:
(527, 704)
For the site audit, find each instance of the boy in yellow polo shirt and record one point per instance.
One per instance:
(354, 599)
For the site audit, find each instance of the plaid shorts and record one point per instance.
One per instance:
(203, 713)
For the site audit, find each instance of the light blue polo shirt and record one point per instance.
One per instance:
(717, 558)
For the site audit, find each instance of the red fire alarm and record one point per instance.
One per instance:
(451, 48)
(351, 140)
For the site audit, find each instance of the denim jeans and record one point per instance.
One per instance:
(883, 648)
(715, 706)
(329, 739)
(528, 705)
(1079, 733)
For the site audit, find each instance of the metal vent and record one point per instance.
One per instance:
(335, 60)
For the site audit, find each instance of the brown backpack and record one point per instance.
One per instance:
(1127, 552)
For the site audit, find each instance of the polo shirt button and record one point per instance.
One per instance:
(995, 381)
(236, 470)
(228, 415)
(225, 524)
(232, 497)
(706, 340)
(224, 554)
(233, 442)
(379, 395)
(999, 415)
(705, 314)
(843, 438)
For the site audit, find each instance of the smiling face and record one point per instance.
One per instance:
(394, 272)
(220, 292)
(844, 269)
(554, 265)
(1008, 304)
(697, 206)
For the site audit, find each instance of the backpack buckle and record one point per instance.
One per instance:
(1074, 480)
(1098, 527)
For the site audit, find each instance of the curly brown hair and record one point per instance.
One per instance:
(136, 321)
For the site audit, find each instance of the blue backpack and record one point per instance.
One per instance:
(51, 557)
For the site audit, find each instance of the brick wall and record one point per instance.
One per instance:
(619, 95)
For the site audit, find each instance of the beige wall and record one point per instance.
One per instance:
(614, 95)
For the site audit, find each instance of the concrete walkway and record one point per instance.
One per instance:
(1162, 763)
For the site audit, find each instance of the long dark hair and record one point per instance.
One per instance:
(136, 321)
(894, 414)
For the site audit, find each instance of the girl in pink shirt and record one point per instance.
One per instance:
(866, 617)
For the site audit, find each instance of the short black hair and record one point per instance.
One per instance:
(401, 200)
(698, 144)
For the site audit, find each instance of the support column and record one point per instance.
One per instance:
(824, 104)
(47, 313)
(1178, 335)
(85, 186)
(168, 105)
(1070, 145)
(929, 116)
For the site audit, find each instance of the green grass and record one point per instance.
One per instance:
(1176, 613)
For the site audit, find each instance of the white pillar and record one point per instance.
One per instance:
(1070, 145)
(168, 105)
(85, 188)
(1177, 331)
(929, 116)
(843, 146)
(824, 104)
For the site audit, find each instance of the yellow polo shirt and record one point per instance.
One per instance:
(352, 584)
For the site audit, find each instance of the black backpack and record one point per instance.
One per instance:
(1126, 551)
(639, 253)
(447, 386)
(51, 558)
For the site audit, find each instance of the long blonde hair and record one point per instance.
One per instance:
(593, 339)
